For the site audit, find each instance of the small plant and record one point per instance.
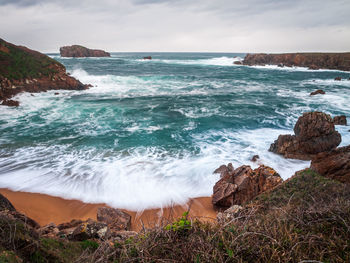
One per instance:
(89, 244)
(181, 224)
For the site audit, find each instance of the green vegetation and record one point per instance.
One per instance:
(306, 219)
(20, 63)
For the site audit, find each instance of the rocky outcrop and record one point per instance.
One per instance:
(339, 61)
(242, 184)
(90, 229)
(340, 120)
(77, 51)
(147, 58)
(314, 133)
(319, 91)
(116, 219)
(334, 164)
(26, 70)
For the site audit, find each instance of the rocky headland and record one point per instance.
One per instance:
(26, 70)
(338, 61)
(76, 51)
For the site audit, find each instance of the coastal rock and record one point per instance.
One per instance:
(334, 164)
(10, 103)
(114, 218)
(224, 170)
(319, 91)
(237, 62)
(229, 214)
(90, 229)
(314, 133)
(339, 61)
(123, 235)
(337, 78)
(5, 204)
(77, 51)
(49, 230)
(26, 70)
(147, 58)
(255, 158)
(340, 120)
(243, 184)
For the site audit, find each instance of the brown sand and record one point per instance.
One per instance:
(45, 209)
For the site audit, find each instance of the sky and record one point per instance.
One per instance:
(178, 25)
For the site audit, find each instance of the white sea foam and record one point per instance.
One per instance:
(143, 177)
(276, 67)
(218, 61)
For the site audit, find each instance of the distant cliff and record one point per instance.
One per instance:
(26, 70)
(339, 61)
(77, 51)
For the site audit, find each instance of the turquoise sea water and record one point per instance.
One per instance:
(149, 133)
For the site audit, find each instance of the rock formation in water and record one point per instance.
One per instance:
(339, 61)
(314, 133)
(334, 164)
(242, 184)
(26, 70)
(77, 51)
(340, 120)
(319, 91)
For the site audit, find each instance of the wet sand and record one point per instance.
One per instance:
(46, 209)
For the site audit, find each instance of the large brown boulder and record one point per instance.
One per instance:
(77, 51)
(243, 184)
(116, 219)
(334, 164)
(90, 229)
(314, 133)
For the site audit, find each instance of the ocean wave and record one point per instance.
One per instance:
(219, 61)
(294, 68)
(124, 179)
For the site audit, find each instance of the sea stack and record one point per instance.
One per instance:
(77, 51)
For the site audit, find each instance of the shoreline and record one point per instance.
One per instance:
(45, 209)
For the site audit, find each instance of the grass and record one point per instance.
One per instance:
(306, 219)
(19, 63)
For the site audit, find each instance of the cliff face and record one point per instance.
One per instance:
(77, 51)
(339, 61)
(26, 70)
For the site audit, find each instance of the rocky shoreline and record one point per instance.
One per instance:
(26, 70)
(336, 61)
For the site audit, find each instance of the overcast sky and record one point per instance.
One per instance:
(178, 25)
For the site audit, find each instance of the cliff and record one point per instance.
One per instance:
(339, 61)
(77, 51)
(26, 70)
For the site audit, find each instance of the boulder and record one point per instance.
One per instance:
(11, 103)
(115, 219)
(89, 230)
(334, 164)
(319, 91)
(229, 214)
(243, 184)
(255, 158)
(147, 58)
(237, 62)
(340, 120)
(314, 133)
(49, 230)
(224, 170)
(337, 78)
(77, 51)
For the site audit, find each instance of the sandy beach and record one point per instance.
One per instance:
(46, 209)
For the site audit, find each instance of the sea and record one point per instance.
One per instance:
(150, 133)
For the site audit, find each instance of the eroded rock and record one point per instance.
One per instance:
(116, 219)
(319, 91)
(314, 133)
(334, 164)
(243, 184)
(340, 120)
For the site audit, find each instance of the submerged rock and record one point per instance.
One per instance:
(147, 58)
(319, 91)
(337, 78)
(243, 184)
(340, 120)
(314, 133)
(334, 164)
(11, 103)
